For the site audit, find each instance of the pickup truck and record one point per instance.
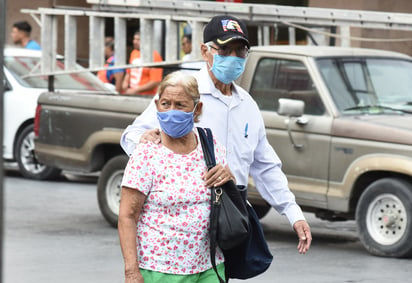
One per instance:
(339, 119)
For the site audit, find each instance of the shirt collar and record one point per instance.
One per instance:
(206, 85)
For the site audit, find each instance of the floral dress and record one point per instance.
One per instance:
(173, 228)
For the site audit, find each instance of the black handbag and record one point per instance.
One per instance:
(252, 257)
(246, 257)
(229, 221)
(228, 216)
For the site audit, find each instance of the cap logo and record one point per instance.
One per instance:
(223, 42)
(231, 25)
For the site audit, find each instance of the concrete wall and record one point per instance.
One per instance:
(398, 6)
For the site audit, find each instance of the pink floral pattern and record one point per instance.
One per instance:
(173, 229)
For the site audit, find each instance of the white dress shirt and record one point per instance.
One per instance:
(237, 123)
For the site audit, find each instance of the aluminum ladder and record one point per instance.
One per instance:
(196, 13)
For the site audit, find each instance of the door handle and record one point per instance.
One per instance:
(301, 121)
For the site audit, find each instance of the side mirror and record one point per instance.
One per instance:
(6, 85)
(291, 107)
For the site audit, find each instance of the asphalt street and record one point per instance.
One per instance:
(54, 232)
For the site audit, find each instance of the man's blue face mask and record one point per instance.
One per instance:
(227, 68)
(176, 123)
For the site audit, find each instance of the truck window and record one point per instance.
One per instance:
(20, 66)
(358, 82)
(278, 78)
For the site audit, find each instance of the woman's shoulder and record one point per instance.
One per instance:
(148, 148)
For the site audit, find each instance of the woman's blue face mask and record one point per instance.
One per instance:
(227, 68)
(176, 123)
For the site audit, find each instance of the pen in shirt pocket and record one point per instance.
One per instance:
(246, 129)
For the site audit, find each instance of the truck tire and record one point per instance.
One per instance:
(109, 188)
(26, 159)
(384, 218)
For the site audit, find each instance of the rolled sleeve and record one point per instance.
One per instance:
(146, 121)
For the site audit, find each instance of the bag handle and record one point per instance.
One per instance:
(209, 155)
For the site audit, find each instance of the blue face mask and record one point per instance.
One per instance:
(176, 123)
(227, 68)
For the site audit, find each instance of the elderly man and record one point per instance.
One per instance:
(235, 120)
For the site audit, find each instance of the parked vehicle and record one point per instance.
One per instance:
(339, 119)
(20, 101)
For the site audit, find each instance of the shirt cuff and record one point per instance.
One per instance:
(294, 213)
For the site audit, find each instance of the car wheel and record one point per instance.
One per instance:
(26, 159)
(261, 210)
(384, 218)
(109, 188)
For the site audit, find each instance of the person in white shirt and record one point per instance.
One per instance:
(235, 120)
(187, 46)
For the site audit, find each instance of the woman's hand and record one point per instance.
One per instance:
(218, 176)
(135, 277)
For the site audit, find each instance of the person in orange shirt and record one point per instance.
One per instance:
(142, 81)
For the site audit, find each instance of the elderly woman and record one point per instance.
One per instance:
(165, 204)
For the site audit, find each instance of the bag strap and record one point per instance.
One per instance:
(209, 155)
(207, 146)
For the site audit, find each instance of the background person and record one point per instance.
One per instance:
(20, 35)
(165, 196)
(142, 81)
(112, 76)
(189, 67)
(187, 46)
(235, 119)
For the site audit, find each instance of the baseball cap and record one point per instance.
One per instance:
(225, 28)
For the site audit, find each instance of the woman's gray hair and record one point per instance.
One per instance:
(188, 82)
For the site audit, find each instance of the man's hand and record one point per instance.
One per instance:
(302, 229)
(152, 135)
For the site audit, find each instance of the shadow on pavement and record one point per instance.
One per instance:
(11, 170)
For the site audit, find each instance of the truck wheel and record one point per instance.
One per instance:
(109, 188)
(384, 218)
(261, 210)
(28, 165)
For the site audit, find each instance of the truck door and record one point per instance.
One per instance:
(305, 150)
